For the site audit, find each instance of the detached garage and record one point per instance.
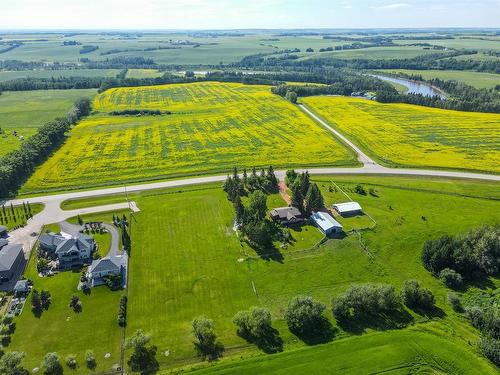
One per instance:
(11, 256)
(348, 209)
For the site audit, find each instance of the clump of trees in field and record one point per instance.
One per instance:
(472, 255)
(487, 321)
(18, 165)
(206, 343)
(11, 364)
(40, 301)
(143, 358)
(363, 300)
(252, 220)
(255, 325)
(415, 296)
(51, 364)
(140, 112)
(304, 316)
(467, 257)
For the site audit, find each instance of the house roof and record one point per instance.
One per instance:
(51, 240)
(325, 221)
(79, 243)
(21, 286)
(3, 242)
(112, 263)
(347, 207)
(8, 256)
(286, 212)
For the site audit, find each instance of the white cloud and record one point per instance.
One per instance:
(393, 6)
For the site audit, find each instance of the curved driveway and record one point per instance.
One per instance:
(53, 213)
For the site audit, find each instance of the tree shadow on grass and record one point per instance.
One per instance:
(395, 319)
(322, 333)
(482, 283)
(267, 252)
(270, 342)
(433, 312)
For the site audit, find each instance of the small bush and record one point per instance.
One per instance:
(359, 189)
(414, 296)
(304, 315)
(363, 300)
(490, 347)
(90, 360)
(451, 278)
(71, 361)
(455, 303)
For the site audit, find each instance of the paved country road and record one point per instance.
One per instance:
(52, 212)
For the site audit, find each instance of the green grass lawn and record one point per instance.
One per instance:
(187, 261)
(475, 79)
(411, 351)
(25, 111)
(19, 217)
(61, 330)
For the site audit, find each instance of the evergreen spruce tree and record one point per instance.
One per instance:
(313, 200)
(297, 197)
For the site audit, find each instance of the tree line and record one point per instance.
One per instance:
(469, 257)
(445, 60)
(18, 165)
(463, 97)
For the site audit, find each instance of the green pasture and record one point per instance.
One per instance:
(11, 75)
(25, 111)
(416, 350)
(186, 261)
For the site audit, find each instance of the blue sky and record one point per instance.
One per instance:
(232, 14)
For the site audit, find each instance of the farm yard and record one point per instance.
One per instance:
(212, 128)
(186, 261)
(23, 112)
(415, 136)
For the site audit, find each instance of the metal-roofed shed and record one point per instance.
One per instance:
(348, 208)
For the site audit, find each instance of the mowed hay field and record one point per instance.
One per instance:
(187, 261)
(213, 127)
(415, 136)
(25, 111)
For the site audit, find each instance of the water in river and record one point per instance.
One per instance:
(413, 87)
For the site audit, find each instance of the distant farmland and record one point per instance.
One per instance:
(25, 111)
(213, 128)
(475, 79)
(415, 136)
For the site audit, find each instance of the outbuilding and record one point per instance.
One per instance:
(326, 223)
(3, 242)
(11, 257)
(348, 209)
(22, 287)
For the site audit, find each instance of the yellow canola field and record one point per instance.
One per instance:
(214, 127)
(416, 136)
